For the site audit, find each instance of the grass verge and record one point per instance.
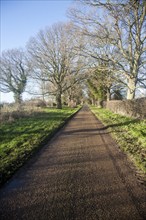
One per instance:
(19, 139)
(129, 133)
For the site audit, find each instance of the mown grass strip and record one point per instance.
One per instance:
(129, 133)
(19, 139)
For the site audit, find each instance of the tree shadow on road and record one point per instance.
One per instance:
(101, 127)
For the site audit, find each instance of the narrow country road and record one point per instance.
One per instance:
(80, 175)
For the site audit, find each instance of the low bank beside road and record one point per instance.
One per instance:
(19, 139)
(129, 133)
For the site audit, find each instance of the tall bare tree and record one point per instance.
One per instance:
(116, 30)
(54, 59)
(13, 73)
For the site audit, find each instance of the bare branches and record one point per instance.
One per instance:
(115, 31)
(14, 73)
(54, 58)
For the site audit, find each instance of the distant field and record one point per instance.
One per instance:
(129, 133)
(20, 138)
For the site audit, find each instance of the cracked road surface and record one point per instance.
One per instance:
(80, 175)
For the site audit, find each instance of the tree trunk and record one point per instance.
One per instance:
(108, 95)
(58, 100)
(93, 101)
(131, 88)
(17, 98)
(100, 104)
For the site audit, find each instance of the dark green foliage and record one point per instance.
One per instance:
(98, 91)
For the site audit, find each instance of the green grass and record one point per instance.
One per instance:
(19, 139)
(129, 133)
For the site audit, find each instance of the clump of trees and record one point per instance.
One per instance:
(114, 33)
(52, 63)
(103, 86)
(54, 59)
(103, 47)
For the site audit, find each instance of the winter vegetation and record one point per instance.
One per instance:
(14, 73)
(101, 51)
(114, 36)
(99, 55)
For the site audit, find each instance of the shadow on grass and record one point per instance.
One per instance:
(31, 125)
(93, 131)
(119, 124)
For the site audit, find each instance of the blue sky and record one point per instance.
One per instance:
(22, 19)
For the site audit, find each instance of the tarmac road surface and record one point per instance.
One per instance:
(79, 175)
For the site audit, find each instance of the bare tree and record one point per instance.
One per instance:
(54, 59)
(74, 95)
(116, 30)
(13, 73)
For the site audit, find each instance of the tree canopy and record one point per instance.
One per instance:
(13, 73)
(104, 46)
